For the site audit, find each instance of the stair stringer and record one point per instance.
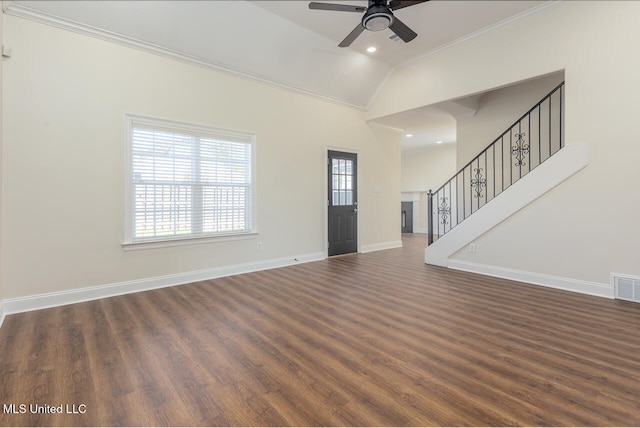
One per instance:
(558, 168)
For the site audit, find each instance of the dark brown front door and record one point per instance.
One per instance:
(343, 203)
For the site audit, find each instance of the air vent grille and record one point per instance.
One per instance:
(627, 288)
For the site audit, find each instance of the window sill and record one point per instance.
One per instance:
(179, 242)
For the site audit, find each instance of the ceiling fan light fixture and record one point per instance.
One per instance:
(377, 18)
(377, 22)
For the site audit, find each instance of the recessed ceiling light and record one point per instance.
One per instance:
(409, 135)
(439, 142)
(371, 49)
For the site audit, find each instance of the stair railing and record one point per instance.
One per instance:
(531, 140)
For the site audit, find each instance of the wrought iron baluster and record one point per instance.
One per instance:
(450, 218)
(502, 163)
(444, 210)
(486, 194)
(539, 135)
(510, 163)
(550, 149)
(560, 125)
(464, 198)
(520, 149)
(529, 131)
(478, 183)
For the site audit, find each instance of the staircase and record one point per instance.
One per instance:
(524, 162)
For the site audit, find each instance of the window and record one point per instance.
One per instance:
(187, 181)
(342, 175)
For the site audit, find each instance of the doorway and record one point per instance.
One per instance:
(342, 202)
(406, 216)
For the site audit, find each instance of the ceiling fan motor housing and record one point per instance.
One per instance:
(377, 17)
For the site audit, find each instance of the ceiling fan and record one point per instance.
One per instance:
(378, 15)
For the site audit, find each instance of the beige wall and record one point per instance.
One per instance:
(1, 172)
(429, 168)
(594, 42)
(497, 111)
(65, 97)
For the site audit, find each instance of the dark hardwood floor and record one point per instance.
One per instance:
(368, 339)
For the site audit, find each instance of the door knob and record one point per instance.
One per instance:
(355, 210)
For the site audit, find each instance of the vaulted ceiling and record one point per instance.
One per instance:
(284, 42)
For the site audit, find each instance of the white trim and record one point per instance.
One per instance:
(245, 137)
(556, 169)
(562, 283)
(458, 41)
(193, 240)
(480, 32)
(409, 196)
(381, 246)
(11, 8)
(377, 91)
(48, 300)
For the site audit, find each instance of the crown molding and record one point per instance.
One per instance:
(546, 5)
(11, 8)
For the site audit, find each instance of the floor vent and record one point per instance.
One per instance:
(627, 287)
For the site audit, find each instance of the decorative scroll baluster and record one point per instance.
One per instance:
(478, 183)
(444, 210)
(520, 149)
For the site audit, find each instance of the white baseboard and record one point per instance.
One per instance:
(381, 246)
(420, 230)
(49, 300)
(562, 283)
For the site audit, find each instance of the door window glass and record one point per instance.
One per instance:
(342, 182)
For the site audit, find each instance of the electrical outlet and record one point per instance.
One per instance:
(259, 246)
(472, 248)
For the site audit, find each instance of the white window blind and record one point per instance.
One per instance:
(188, 181)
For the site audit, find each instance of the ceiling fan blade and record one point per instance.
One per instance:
(399, 4)
(401, 29)
(338, 7)
(352, 36)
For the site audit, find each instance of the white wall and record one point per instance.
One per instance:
(423, 170)
(594, 42)
(65, 96)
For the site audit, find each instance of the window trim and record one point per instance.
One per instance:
(128, 242)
